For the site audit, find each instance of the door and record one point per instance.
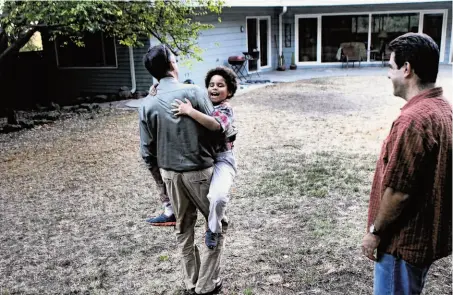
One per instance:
(264, 40)
(308, 39)
(252, 42)
(258, 39)
(432, 26)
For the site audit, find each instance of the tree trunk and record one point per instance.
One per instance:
(11, 117)
(3, 40)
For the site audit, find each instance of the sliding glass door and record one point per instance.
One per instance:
(307, 39)
(320, 38)
(258, 40)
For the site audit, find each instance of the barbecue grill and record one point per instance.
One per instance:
(237, 63)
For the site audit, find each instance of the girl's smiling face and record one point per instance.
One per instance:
(218, 90)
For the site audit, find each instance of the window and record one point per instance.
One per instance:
(98, 51)
(432, 26)
(340, 29)
(308, 39)
(387, 27)
(34, 44)
(370, 32)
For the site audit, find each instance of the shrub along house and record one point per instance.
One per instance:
(315, 31)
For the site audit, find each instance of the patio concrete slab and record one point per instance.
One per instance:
(309, 73)
(294, 75)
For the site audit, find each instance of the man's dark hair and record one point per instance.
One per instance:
(421, 52)
(157, 61)
(228, 75)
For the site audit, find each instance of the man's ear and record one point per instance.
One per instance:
(172, 67)
(407, 69)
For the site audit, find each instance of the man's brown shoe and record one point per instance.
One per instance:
(217, 289)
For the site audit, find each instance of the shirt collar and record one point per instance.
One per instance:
(429, 93)
(167, 81)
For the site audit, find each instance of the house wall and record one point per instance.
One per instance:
(226, 40)
(67, 83)
(143, 79)
(230, 41)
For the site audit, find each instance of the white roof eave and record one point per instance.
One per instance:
(300, 3)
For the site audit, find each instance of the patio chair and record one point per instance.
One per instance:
(253, 56)
(352, 52)
(385, 53)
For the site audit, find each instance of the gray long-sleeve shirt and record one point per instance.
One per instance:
(170, 142)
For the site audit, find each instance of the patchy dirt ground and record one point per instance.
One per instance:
(74, 197)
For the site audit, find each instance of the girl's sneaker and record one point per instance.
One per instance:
(211, 239)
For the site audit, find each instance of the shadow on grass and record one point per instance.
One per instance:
(320, 175)
(312, 211)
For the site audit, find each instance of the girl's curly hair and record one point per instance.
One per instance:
(227, 74)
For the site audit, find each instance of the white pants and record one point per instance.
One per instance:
(221, 182)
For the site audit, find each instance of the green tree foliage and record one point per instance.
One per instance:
(172, 22)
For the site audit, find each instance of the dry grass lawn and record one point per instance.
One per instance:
(74, 198)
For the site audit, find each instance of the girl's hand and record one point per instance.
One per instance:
(153, 89)
(181, 108)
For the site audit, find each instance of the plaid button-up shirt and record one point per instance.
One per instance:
(224, 114)
(416, 160)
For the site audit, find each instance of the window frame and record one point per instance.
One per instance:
(269, 40)
(420, 12)
(88, 67)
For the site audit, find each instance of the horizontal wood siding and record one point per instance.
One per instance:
(74, 82)
(226, 40)
(142, 77)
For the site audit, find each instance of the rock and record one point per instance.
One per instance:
(55, 106)
(101, 98)
(68, 108)
(86, 106)
(11, 128)
(82, 110)
(27, 123)
(125, 94)
(140, 94)
(95, 107)
(124, 88)
(51, 116)
(11, 117)
(42, 121)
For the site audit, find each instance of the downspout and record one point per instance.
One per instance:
(280, 31)
(132, 66)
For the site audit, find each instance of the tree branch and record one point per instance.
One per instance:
(177, 43)
(158, 37)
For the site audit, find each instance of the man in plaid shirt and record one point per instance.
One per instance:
(410, 210)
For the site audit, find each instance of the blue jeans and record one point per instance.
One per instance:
(394, 276)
